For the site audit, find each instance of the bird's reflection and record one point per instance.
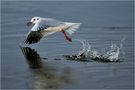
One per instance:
(32, 57)
(44, 76)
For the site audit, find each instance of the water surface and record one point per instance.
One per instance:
(36, 66)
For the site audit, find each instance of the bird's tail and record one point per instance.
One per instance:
(72, 27)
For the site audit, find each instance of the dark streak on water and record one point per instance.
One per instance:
(104, 23)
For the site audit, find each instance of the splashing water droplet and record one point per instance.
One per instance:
(111, 55)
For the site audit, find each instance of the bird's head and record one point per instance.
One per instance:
(34, 20)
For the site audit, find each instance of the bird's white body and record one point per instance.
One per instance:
(68, 27)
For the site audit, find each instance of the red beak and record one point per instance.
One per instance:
(29, 23)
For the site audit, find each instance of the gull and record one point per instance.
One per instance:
(43, 27)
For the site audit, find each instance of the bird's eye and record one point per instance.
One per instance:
(34, 19)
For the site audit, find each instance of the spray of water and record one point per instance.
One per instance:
(111, 55)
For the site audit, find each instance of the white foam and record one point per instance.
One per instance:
(111, 55)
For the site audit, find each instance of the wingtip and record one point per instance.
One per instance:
(33, 37)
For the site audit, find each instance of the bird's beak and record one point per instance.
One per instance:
(29, 23)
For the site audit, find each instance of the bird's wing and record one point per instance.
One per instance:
(36, 36)
(45, 23)
(33, 37)
(41, 29)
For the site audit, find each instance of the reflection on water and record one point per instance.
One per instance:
(44, 76)
(32, 57)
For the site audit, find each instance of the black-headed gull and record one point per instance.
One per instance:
(43, 27)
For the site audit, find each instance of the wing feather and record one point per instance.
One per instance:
(33, 37)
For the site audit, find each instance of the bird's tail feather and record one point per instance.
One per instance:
(72, 27)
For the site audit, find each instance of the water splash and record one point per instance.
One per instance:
(111, 55)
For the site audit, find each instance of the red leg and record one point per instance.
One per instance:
(68, 38)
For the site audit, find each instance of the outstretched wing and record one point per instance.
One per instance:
(33, 37)
(36, 36)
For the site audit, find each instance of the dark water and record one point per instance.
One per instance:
(38, 66)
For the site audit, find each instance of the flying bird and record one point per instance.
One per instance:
(43, 27)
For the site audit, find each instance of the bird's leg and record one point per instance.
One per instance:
(68, 38)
